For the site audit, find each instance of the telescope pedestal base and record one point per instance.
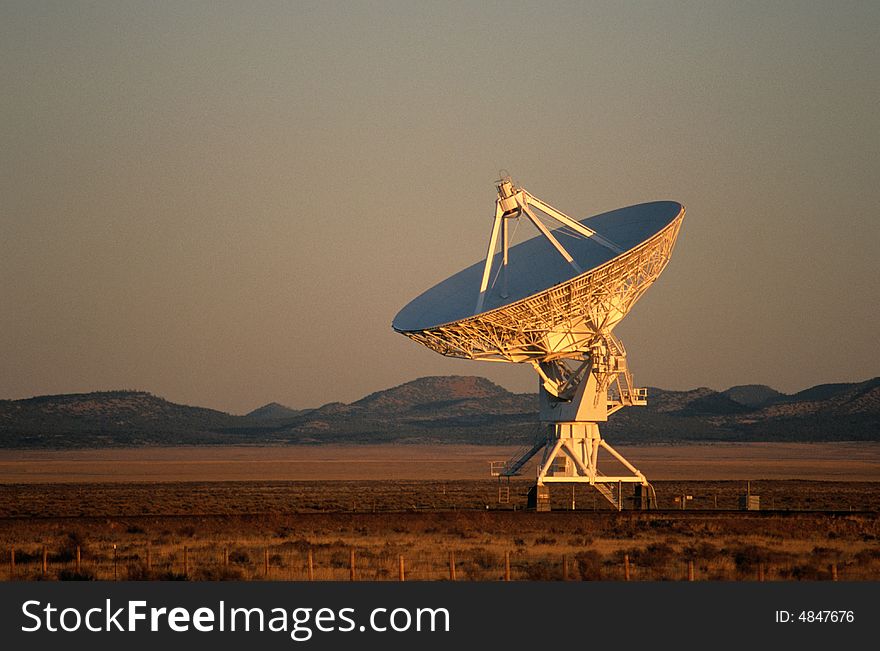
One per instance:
(571, 455)
(538, 498)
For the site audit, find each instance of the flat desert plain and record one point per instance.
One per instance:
(303, 512)
(717, 461)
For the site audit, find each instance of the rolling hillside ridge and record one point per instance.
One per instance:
(444, 409)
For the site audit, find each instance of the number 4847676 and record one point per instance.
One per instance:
(820, 616)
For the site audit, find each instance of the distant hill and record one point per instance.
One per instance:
(274, 411)
(109, 418)
(447, 409)
(822, 392)
(839, 412)
(753, 395)
(448, 389)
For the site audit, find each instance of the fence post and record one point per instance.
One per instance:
(185, 561)
(400, 568)
(626, 567)
(452, 566)
(11, 561)
(311, 566)
(565, 567)
(834, 571)
(690, 570)
(266, 568)
(78, 559)
(760, 571)
(507, 566)
(351, 563)
(115, 564)
(45, 561)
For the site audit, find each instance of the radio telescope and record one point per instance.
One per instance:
(553, 305)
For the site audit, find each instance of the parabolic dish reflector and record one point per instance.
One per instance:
(548, 308)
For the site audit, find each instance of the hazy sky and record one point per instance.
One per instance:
(227, 203)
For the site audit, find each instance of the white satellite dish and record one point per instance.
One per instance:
(555, 306)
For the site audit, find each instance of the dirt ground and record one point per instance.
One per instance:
(717, 461)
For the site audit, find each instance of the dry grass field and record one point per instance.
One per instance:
(274, 513)
(267, 530)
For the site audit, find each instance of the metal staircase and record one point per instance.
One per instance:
(522, 456)
(608, 493)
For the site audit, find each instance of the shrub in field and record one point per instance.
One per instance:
(340, 558)
(623, 529)
(300, 545)
(588, 565)
(655, 555)
(73, 575)
(485, 559)
(218, 573)
(464, 534)
(67, 551)
(170, 575)
(23, 556)
(826, 553)
(544, 540)
(747, 557)
(580, 541)
(654, 558)
(704, 551)
(804, 572)
(541, 570)
(76, 538)
(138, 572)
(63, 555)
(866, 556)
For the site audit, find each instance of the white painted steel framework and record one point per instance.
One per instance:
(565, 333)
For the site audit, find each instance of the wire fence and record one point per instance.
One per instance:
(295, 561)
